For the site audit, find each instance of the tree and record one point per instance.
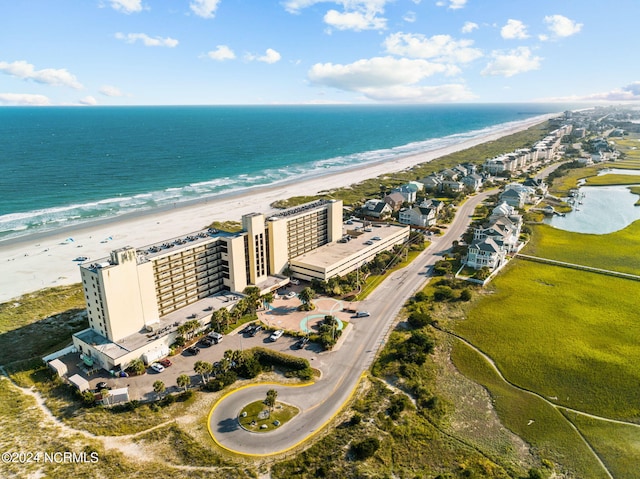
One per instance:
(465, 295)
(183, 381)
(419, 319)
(267, 299)
(252, 295)
(306, 296)
(203, 368)
(158, 388)
(137, 366)
(270, 400)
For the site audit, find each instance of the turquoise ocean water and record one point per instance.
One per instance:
(62, 166)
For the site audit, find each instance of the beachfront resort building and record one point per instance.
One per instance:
(138, 297)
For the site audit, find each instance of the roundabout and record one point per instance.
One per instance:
(259, 418)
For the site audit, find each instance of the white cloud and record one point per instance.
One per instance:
(452, 4)
(511, 63)
(23, 99)
(356, 21)
(108, 90)
(147, 40)
(357, 15)
(127, 6)
(48, 76)
(629, 92)
(270, 56)
(437, 47)
(468, 27)
(204, 8)
(221, 53)
(410, 17)
(88, 100)
(389, 79)
(561, 26)
(514, 29)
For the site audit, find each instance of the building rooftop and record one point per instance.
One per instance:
(332, 253)
(300, 209)
(166, 325)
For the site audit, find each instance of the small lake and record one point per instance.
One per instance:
(604, 209)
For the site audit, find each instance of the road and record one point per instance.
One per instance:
(341, 369)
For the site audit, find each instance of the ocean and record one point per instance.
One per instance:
(63, 166)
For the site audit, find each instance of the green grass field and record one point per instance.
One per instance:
(617, 251)
(613, 179)
(617, 444)
(563, 333)
(539, 423)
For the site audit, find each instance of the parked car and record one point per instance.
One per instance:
(165, 362)
(102, 385)
(362, 314)
(248, 329)
(157, 367)
(215, 336)
(276, 335)
(290, 295)
(206, 342)
(301, 343)
(194, 350)
(294, 281)
(256, 330)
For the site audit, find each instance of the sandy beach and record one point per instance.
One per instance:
(44, 260)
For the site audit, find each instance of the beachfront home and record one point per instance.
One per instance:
(394, 200)
(409, 192)
(432, 182)
(451, 185)
(485, 253)
(376, 209)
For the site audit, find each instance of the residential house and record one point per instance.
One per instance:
(450, 174)
(417, 184)
(432, 182)
(473, 181)
(432, 203)
(418, 216)
(485, 253)
(376, 209)
(408, 191)
(513, 198)
(394, 200)
(453, 185)
(536, 184)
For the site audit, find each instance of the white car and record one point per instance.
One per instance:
(215, 336)
(362, 314)
(294, 281)
(291, 294)
(157, 367)
(276, 334)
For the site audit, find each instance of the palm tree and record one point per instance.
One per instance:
(183, 381)
(270, 400)
(203, 368)
(252, 295)
(306, 296)
(158, 388)
(267, 299)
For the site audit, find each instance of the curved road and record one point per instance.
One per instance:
(341, 369)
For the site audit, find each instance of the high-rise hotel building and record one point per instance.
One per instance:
(137, 297)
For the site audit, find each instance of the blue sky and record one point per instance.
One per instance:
(188, 52)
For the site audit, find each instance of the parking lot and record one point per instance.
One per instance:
(281, 314)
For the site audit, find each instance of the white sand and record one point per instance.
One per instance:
(30, 264)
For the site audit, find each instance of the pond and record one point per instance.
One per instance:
(604, 209)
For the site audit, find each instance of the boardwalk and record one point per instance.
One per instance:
(581, 267)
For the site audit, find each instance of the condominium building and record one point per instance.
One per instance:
(138, 297)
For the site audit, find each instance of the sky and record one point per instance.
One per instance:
(221, 52)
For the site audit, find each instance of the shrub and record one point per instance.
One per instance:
(267, 357)
(365, 448)
(419, 319)
(465, 295)
(443, 293)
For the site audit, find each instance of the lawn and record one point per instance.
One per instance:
(616, 251)
(254, 421)
(563, 333)
(537, 422)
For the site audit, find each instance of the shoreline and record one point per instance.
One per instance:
(46, 259)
